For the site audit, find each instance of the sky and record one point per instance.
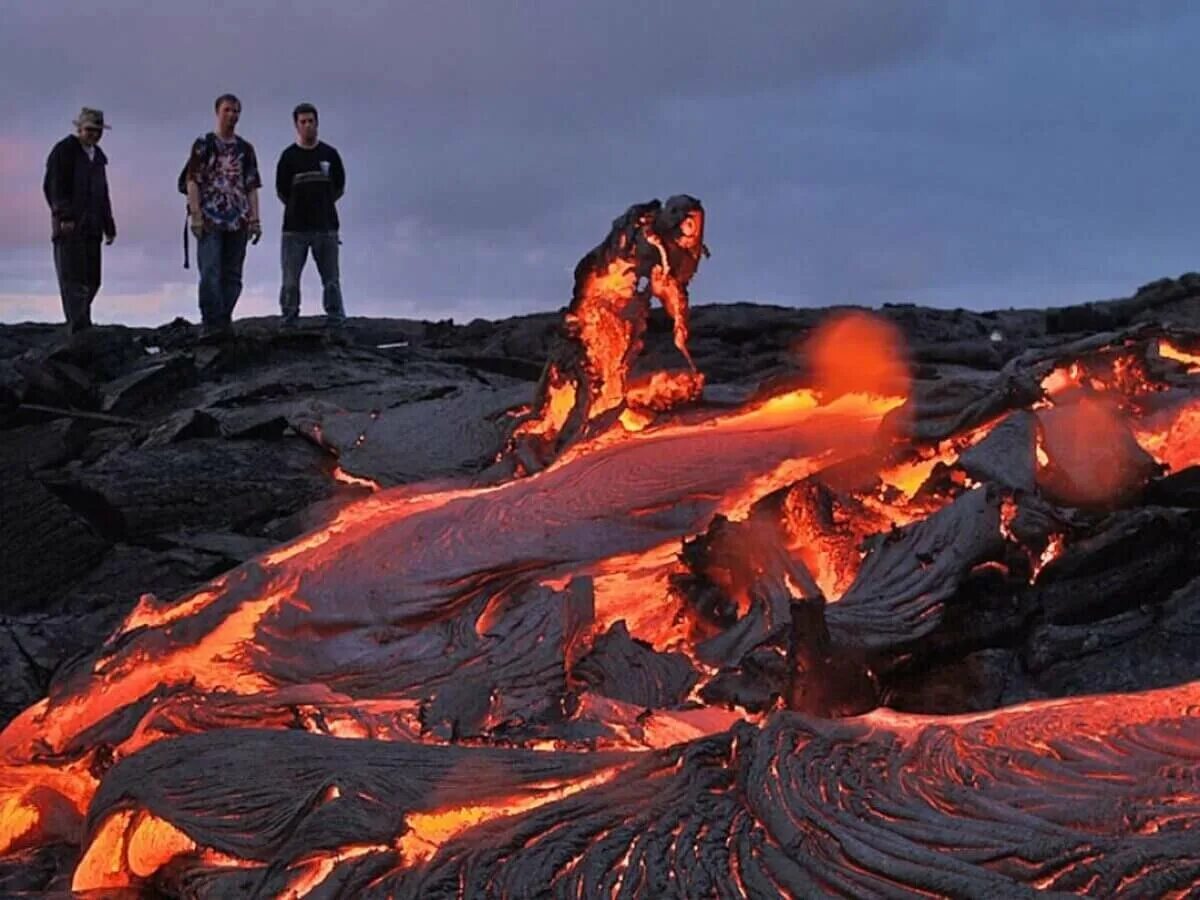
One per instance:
(977, 155)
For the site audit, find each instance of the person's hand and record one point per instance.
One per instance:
(109, 238)
(197, 226)
(66, 226)
(254, 227)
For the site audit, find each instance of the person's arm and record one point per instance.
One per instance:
(195, 170)
(59, 181)
(110, 225)
(194, 212)
(252, 181)
(339, 176)
(283, 178)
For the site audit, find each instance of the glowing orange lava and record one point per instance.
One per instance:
(427, 831)
(346, 478)
(1172, 436)
(652, 251)
(394, 567)
(1054, 549)
(1167, 350)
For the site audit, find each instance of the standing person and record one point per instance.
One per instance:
(309, 180)
(222, 188)
(76, 188)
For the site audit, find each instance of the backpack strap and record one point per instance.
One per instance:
(210, 149)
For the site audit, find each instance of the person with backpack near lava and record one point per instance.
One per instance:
(221, 180)
(76, 189)
(309, 180)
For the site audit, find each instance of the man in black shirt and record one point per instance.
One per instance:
(309, 180)
(76, 189)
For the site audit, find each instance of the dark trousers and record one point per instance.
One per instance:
(293, 254)
(77, 264)
(220, 256)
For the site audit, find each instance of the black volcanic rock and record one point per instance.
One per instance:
(1006, 455)
(458, 432)
(627, 669)
(207, 483)
(47, 544)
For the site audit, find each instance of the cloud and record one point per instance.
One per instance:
(845, 150)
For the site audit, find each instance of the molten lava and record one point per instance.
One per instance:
(653, 250)
(1167, 350)
(580, 673)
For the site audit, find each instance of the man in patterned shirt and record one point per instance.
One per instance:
(222, 189)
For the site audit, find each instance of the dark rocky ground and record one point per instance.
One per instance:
(140, 460)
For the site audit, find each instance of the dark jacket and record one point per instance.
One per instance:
(76, 189)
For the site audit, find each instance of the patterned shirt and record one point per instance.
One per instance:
(226, 176)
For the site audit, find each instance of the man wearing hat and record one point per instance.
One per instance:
(76, 189)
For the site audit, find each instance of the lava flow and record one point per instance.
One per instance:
(657, 665)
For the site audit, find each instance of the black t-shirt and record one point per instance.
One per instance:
(309, 181)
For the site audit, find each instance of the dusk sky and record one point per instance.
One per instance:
(852, 151)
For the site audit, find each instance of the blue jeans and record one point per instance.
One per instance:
(219, 256)
(293, 254)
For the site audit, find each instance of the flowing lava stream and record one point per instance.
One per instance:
(405, 702)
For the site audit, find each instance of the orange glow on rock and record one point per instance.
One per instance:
(312, 872)
(153, 843)
(1167, 350)
(345, 477)
(635, 420)
(825, 530)
(428, 831)
(665, 390)
(1172, 436)
(908, 477)
(1091, 456)
(1062, 378)
(132, 846)
(149, 613)
(858, 353)
(18, 820)
(652, 251)
(560, 397)
(634, 588)
(1054, 549)
(103, 864)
